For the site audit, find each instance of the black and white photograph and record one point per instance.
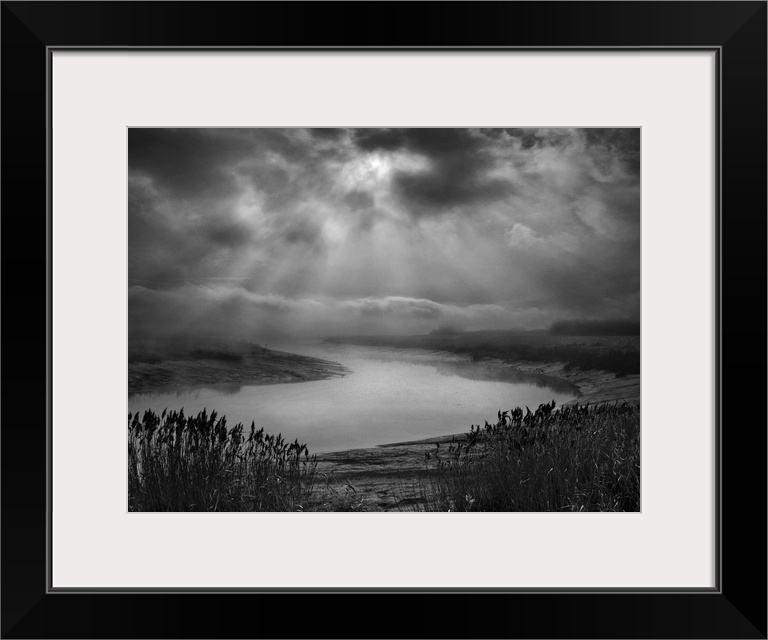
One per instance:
(381, 319)
(363, 260)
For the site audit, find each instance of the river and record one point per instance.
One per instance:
(390, 395)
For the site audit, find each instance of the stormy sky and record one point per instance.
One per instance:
(252, 233)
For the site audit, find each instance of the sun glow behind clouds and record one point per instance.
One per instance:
(370, 230)
(373, 171)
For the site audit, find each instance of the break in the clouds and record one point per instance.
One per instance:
(253, 232)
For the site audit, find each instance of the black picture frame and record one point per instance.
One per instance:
(736, 608)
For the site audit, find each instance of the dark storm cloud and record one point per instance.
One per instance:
(272, 180)
(301, 231)
(623, 144)
(361, 214)
(583, 289)
(450, 183)
(188, 163)
(602, 144)
(541, 138)
(455, 174)
(358, 200)
(528, 137)
(375, 139)
(380, 230)
(328, 133)
(166, 248)
(191, 217)
(227, 233)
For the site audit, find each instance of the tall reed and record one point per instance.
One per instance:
(577, 458)
(196, 463)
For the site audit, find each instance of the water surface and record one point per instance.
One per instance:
(391, 395)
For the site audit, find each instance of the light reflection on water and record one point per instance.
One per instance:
(392, 395)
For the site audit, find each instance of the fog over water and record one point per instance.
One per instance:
(391, 395)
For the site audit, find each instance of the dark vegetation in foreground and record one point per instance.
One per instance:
(575, 458)
(618, 354)
(186, 463)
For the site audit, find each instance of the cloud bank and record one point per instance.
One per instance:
(254, 232)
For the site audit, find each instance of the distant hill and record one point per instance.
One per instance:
(595, 328)
(616, 353)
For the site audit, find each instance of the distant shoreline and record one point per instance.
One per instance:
(176, 371)
(387, 477)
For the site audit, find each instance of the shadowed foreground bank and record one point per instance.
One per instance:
(575, 458)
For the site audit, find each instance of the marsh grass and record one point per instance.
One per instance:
(576, 458)
(336, 494)
(197, 463)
